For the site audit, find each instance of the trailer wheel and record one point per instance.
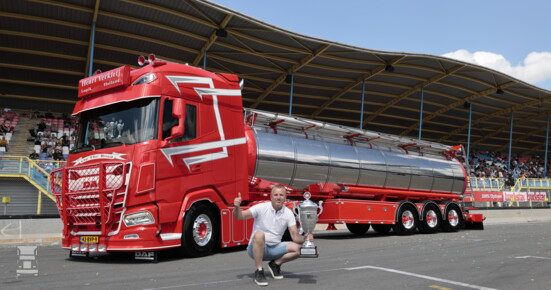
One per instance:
(358, 229)
(382, 229)
(407, 221)
(432, 219)
(453, 219)
(200, 231)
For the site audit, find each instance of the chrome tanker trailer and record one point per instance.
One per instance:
(365, 179)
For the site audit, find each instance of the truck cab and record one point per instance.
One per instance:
(153, 149)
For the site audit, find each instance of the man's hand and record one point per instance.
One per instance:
(309, 237)
(237, 200)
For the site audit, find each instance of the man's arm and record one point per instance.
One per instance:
(237, 212)
(298, 238)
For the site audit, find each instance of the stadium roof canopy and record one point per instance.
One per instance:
(46, 48)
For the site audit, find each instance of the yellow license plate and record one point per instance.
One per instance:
(89, 239)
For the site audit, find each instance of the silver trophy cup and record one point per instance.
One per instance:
(307, 213)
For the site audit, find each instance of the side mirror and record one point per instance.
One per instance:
(178, 111)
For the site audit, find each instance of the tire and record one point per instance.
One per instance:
(382, 229)
(200, 231)
(407, 220)
(453, 219)
(432, 219)
(358, 229)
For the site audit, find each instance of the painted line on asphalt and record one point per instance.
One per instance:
(440, 287)
(334, 270)
(421, 276)
(532, 257)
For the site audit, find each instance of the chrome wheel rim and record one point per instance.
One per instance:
(431, 218)
(408, 220)
(453, 218)
(202, 230)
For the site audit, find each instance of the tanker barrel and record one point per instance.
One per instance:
(299, 159)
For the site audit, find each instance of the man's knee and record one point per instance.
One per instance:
(259, 237)
(293, 247)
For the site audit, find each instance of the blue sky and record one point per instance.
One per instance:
(513, 37)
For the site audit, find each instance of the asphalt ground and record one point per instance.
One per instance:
(503, 256)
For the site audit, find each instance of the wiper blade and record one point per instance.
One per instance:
(112, 144)
(83, 149)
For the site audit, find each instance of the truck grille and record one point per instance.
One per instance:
(87, 195)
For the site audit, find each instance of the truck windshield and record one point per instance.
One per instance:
(114, 125)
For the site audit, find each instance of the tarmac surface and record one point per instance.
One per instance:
(514, 255)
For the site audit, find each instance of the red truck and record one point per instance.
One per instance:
(163, 150)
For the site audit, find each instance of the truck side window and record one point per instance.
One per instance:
(168, 120)
(190, 123)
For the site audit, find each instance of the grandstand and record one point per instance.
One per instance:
(284, 72)
(23, 180)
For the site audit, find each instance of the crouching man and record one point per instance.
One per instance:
(271, 219)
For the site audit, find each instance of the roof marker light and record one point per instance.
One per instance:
(141, 60)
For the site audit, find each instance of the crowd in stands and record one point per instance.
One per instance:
(494, 165)
(53, 136)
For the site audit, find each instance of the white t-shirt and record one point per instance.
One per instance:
(272, 223)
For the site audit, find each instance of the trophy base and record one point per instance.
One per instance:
(309, 252)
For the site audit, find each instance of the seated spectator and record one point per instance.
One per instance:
(58, 156)
(41, 126)
(33, 156)
(3, 142)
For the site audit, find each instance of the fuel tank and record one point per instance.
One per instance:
(299, 159)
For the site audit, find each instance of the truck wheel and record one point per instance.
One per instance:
(432, 219)
(407, 221)
(358, 229)
(453, 219)
(382, 229)
(200, 231)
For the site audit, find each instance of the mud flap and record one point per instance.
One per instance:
(475, 221)
(474, 225)
(146, 256)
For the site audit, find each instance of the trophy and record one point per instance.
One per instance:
(307, 213)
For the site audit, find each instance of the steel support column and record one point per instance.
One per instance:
(546, 148)
(205, 60)
(92, 44)
(469, 131)
(362, 108)
(510, 142)
(421, 112)
(291, 93)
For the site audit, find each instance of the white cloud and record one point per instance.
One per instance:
(535, 68)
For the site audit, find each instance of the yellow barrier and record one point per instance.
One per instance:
(36, 172)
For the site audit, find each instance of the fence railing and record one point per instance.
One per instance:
(487, 184)
(37, 172)
(525, 192)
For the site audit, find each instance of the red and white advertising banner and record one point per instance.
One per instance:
(515, 196)
(536, 196)
(490, 196)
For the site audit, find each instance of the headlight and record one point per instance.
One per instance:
(138, 218)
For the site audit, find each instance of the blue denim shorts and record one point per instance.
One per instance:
(271, 252)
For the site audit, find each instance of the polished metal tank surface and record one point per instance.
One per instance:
(299, 160)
